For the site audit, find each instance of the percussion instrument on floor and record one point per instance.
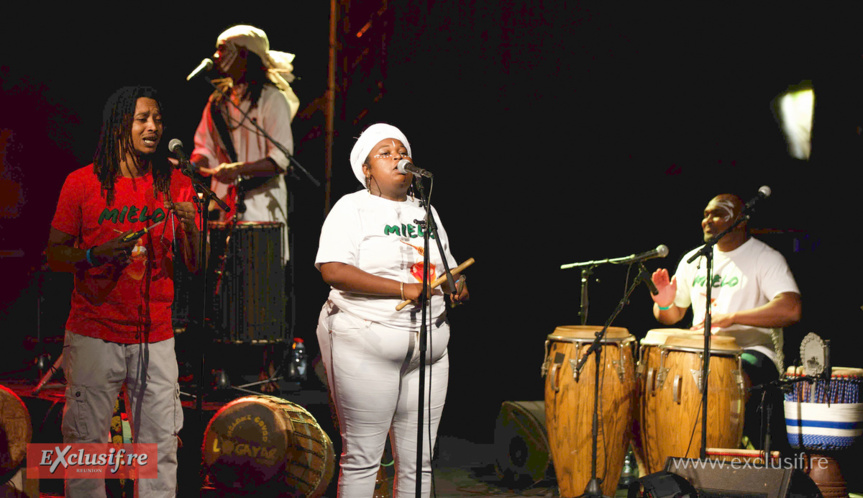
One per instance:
(825, 417)
(670, 411)
(822, 415)
(270, 444)
(248, 286)
(569, 405)
(16, 432)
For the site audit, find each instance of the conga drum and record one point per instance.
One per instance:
(670, 412)
(647, 370)
(824, 419)
(569, 405)
(268, 444)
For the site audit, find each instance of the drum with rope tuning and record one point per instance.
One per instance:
(825, 414)
(824, 418)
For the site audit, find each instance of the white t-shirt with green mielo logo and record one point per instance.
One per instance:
(745, 278)
(384, 238)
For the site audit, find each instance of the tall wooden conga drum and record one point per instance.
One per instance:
(647, 370)
(670, 413)
(269, 444)
(569, 405)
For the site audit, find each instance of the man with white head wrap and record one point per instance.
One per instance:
(257, 81)
(370, 253)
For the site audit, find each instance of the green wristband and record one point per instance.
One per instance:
(89, 255)
(663, 308)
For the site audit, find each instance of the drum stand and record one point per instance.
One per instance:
(766, 409)
(594, 486)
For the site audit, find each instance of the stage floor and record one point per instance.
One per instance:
(461, 468)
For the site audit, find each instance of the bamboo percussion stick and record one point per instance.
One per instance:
(440, 280)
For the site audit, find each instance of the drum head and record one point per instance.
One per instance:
(718, 343)
(657, 337)
(573, 333)
(793, 371)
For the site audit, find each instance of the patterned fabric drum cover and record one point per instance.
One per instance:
(823, 415)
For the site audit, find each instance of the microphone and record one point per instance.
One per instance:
(763, 193)
(176, 148)
(188, 168)
(406, 167)
(204, 67)
(661, 251)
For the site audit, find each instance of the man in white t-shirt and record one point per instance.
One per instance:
(753, 296)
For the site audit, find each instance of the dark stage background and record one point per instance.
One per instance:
(557, 132)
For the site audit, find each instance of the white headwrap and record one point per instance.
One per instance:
(278, 64)
(368, 139)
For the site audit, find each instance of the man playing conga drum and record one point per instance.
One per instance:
(754, 295)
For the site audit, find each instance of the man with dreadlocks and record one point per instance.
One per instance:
(247, 167)
(244, 135)
(119, 328)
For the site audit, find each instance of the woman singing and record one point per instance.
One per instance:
(371, 254)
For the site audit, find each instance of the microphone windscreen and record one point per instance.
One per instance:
(174, 144)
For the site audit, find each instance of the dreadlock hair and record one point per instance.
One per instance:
(115, 141)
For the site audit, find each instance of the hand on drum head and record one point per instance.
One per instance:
(666, 288)
(717, 322)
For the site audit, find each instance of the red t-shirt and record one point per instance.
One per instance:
(131, 304)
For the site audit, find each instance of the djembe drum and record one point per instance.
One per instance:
(569, 405)
(824, 418)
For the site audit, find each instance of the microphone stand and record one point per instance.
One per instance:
(587, 270)
(294, 163)
(295, 166)
(202, 200)
(707, 251)
(594, 486)
(431, 228)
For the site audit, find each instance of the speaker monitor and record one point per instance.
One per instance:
(724, 479)
(522, 453)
